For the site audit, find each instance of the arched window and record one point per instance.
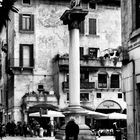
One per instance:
(102, 80)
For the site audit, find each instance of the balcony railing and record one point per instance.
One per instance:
(97, 62)
(83, 85)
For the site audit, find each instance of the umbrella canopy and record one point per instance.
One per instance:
(96, 115)
(50, 113)
(117, 116)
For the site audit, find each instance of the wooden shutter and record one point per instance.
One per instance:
(20, 22)
(21, 55)
(137, 14)
(31, 56)
(32, 22)
(82, 29)
(81, 52)
(92, 26)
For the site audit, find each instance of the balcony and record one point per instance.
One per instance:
(91, 64)
(39, 97)
(83, 85)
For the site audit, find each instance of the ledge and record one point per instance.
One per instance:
(135, 33)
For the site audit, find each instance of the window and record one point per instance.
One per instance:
(82, 28)
(92, 26)
(84, 76)
(137, 14)
(119, 95)
(26, 55)
(92, 52)
(92, 5)
(26, 22)
(40, 87)
(102, 80)
(28, 2)
(68, 97)
(84, 5)
(67, 77)
(114, 81)
(84, 96)
(81, 52)
(98, 95)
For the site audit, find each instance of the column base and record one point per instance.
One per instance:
(79, 114)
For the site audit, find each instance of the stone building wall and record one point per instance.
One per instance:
(50, 38)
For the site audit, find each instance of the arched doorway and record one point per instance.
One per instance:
(109, 106)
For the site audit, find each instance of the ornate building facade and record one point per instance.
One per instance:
(37, 58)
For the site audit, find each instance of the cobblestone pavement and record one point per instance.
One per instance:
(50, 138)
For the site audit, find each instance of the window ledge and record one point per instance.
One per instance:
(135, 33)
(89, 35)
(26, 32)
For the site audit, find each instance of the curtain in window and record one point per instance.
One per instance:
(26, 55)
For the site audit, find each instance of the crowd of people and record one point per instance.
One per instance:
(23, 129)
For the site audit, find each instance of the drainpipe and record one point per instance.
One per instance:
(7, 90)
(134, 102)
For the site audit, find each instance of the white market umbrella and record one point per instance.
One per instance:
(50, 113)
(96, 115)
(117, 116)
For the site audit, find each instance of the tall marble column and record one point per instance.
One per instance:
(73, 18)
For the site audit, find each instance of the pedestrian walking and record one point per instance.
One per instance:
(72, 130)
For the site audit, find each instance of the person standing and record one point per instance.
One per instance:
(115, 127)
(0, 130)
(72, 130)
(24, 129)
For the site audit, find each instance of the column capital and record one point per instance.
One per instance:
(73, 17)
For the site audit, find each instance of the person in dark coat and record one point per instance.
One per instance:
(1, 131)
(12, 128)
(72, 130)
(115, 127)
(24, 129)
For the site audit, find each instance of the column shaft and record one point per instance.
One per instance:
(74, 68)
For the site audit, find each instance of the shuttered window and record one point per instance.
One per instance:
(82, 28)
(26, 22)
(26, 55)
(137, 14)
(92, 26)
(81, 52)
